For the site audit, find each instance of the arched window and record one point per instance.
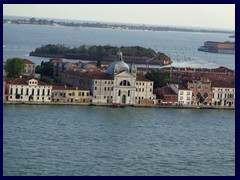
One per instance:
(124, 83)
(205, 95)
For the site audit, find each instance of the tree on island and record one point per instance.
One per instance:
(14, 67)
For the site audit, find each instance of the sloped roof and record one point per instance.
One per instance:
(26, 61)
(24, 81)
(222, 84)
(67, 88)
(140, 78)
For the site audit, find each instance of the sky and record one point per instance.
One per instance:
(192, 15)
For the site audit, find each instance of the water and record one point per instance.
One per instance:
(181, 47)
(78, 140)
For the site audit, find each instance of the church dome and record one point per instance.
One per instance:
(118, 65)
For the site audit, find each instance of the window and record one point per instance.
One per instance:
(95, 88)
(43, 92)
(181, 92)
(95, 82)
(11, 91)
(128, 92)
(142, 89)
(181, 98)
(32, 91)
(105, 88)
(73, 93)
(79, 93)
(48, 93)
(38, 92)
(136, 89)
(124, 83)
(150, 89)
(119, 93)
(16, 91)
(188, 98)
(87, 93)
(27, 91)
(83, 94)
(21, 91)
(111, 88)
(188, 93)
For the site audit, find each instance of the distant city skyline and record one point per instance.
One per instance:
(220, 16)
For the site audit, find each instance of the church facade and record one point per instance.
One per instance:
(122, 85)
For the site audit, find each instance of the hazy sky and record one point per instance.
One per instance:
(195, 15)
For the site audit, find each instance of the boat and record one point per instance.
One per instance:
(117, 105)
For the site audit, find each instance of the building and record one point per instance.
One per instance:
(223, 94)
(29, 67)
(121, 85)
(165, 95)
(66, 94)
(24, 90)
(184, 94)
(4, 83)
(201, 92)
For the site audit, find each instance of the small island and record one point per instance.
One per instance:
(133, 54)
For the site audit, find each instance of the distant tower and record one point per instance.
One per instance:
(133, 69)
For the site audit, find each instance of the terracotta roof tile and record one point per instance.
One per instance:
(223, 84)
(67, 88)
(140, 78)
(26, 61)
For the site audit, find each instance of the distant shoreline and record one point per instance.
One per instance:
(44, 22)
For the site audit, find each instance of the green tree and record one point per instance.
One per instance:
(45, 69)
(14, 67)
(160, 78)
(99, 63)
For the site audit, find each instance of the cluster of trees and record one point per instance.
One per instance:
(14, 67)
(100, 51)
(160, 78)
(46, 71)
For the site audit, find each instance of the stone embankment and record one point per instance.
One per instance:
(136, 105)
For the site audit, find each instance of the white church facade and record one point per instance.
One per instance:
(121, 85)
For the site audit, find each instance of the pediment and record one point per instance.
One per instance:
(125, 74)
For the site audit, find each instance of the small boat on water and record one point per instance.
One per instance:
(117, 105)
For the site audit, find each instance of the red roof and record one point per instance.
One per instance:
(24, 81)
(222, 84)
(26, 61)
(140, 78)
(164, 91)
(67, 88)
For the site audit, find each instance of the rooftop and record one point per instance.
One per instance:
(26, 61)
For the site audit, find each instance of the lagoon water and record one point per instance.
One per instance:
(181, 47)
(78, 140)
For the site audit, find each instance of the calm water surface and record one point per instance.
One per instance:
(181, 47)
(76, 140)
